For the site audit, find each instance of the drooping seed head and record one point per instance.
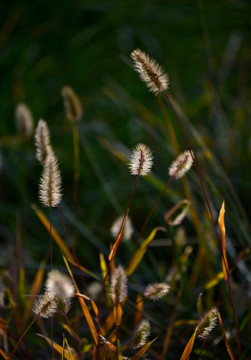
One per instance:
(42, 141)
(177, 213)
(156, 291)
(24, 120)
(45, 305)
(128, 229)
(207, 323)
(181, 165)
(141, 160)
(60, 287)
(118, 287)
(140, 334)
(50, 193)
(72, 104)
(150, 72)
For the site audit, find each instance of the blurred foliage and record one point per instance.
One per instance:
(205, 48)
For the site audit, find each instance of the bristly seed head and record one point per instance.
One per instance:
(50, 184)
(141, 160)
(140, 334)
(45, 305)
(24, 120)
(177, 213)
(181, 165)
(150, 72)
(156, 291)
(207, 323)
(60, 287)
(72, 104)
(42, 141)
(118, 287)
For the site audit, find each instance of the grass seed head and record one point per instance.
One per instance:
(140, 334)
(181, 165)
(156, 291)
(72, 104)
(177, 213)
(141, 160)
(207, 323)
(45, 305)
(60, 287)
(42, 141)
(24, 120)
(50, 193)
(118, 287)
(150, 72)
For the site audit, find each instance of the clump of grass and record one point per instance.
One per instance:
(109, 330)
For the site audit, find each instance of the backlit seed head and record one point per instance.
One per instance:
(50, 193)
(181, 165)
(118, 287)
(156, 291)
(24, 120)
(150, 72)
(128, 229)
(72, 104)
(140, 334)
(42, 141)
(207, 323)
(45, 305)
(60, 287)
(177, 213)
(141, 160)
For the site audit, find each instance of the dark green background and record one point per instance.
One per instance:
(204, 46)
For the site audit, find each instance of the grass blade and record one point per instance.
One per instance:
(54, 233)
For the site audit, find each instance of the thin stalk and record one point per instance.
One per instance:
(183, 278)
(110, 262)
(51, 241)
(72, 249)
(187, 191)
(211, 215)
(74, 336)
(52, 347)
(21, 338)
(148, 217)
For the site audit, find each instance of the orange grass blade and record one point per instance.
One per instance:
(104, 273)
(117, 314)
(140, 253)
(139, 308)
(221, 221)
(108, 324)
(4, 355)
(54, 233)
(67, 354)
(84, 307)
(143, 350)
(229, 350)
(188, 348)
(117, 242)
(94, 306)
(35, 288)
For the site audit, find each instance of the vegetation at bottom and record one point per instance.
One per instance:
(125, 180)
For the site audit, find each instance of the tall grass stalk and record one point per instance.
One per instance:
(212, 218)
